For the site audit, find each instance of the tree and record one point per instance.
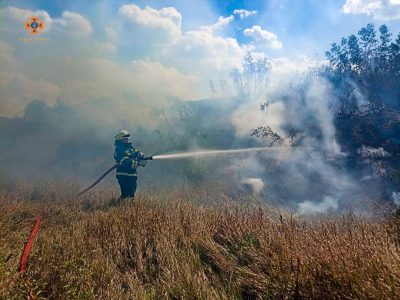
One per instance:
(368, 69)
(384, 49)
(394, 59)
(344, 64)
(253, 78)
(333, 55)
(355, 54)
(340, 57)
(368, 43)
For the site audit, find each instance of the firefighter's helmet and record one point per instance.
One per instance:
(122, 134)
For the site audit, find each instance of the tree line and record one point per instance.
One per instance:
(366, 64)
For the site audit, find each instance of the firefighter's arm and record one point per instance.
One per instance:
(127, 161)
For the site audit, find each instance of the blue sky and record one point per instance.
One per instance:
(180, 45)
(305, 27)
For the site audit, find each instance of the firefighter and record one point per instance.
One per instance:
(128, 160)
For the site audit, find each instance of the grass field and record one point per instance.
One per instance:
(171, 246)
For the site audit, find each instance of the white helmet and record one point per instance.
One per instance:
(122, 134)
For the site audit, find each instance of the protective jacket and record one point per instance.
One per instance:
(127, 158)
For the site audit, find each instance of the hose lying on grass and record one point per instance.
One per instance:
(24, 258)
(98, 180)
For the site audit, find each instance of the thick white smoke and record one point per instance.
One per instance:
(304, 102)
(256, 184)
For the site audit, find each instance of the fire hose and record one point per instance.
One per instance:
(24, 258)
(106, 173)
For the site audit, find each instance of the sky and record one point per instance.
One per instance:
(148, 52)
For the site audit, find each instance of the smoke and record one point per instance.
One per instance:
(72, 65)
(65, 141)
(327, 204)
(396, 198)
(304, 103)
(369, 152)
(249, 116)
(143, 72)
(62, 142)
(256, 184)
(318, 99)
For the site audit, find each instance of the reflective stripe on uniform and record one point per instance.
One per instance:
(126, 174)
(134, 164)
(125, 158)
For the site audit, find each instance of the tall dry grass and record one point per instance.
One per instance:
(168, 246)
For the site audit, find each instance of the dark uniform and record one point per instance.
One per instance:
(127, 158)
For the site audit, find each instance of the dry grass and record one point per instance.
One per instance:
(169, 247)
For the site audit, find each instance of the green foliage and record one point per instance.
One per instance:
(365, 54)
(368, 66)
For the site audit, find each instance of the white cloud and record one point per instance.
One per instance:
(7, 60)
(222, 22)
(167, 19)
(203, 52)
(378, 9)
(174, 83)
(284, 65)
(200, 51)
(22, 15)
(179, 68)
(78, 73)
(285, 69)
(69, 23)
(243, 13)
(288, 69)
(107, 47)
(263, 38)
(74, 24)
(207, 54)
(112, 34)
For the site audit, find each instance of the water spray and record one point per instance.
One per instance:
(179, 156)
(208, 153)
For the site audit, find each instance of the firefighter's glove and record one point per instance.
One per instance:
(142, 162)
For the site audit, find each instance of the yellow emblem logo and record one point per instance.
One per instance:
(34, 26)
